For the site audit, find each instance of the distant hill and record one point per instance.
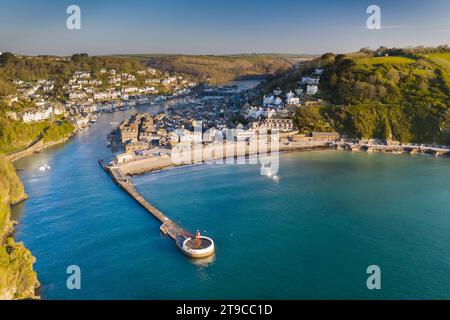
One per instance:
(222, 69)
(27, 68)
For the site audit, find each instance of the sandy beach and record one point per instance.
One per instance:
(208, 153)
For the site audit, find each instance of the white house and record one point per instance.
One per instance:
(309, 80)
(37, 115)
(89, 90)
(291, 99)
(95, 82)
(151, 71)
(130, 89)
(254, 112)
(278, 102)
(77, 95)
(277, 124)
(312, 89)
(272, 101)
(150, 89)
(294, 100)
(90, 108)
(211, 134)
(241, 135)
(82, 74)
(318, 71)
(277, 92)
(271, 113)
(268, 100)
(48, 87)
(189, 136)
(82, 121)
(124, 157)
(101, 95)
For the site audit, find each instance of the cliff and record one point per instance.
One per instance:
(17, 277)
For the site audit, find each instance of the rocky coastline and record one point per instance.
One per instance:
(18, 280)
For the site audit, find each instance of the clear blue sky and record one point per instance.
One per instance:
(218, 26)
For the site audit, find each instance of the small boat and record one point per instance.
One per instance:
(44, 168)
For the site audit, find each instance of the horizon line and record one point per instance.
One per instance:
(219, 54)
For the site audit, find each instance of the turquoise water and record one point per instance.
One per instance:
(310, 234)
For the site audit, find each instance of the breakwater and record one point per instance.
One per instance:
(168, 227)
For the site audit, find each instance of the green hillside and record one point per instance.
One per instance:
(222, 69)
(394, 94)
(15, 136)
(17, 278)
(442, 59)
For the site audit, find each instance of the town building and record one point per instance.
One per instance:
(325, 136)
(291, 98)
(276, 124)
(124, 157)
(312, 89)
(309, 80)
(36, 115)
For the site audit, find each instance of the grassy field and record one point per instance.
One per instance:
(16, 136)
(376, 62)
(441, 59)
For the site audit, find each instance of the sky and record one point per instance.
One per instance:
(219, 27)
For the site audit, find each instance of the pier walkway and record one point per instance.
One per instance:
(168, 227)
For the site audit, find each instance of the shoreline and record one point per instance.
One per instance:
(39, 146)
(157, 164)
(163, 169)
(34, 148)
(165, 164)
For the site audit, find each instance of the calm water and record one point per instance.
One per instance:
(311, 234)
(245, 84)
